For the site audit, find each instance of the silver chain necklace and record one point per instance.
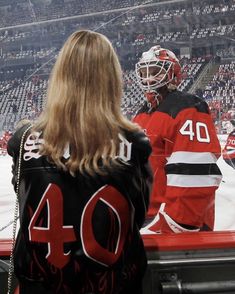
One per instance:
(11, 265)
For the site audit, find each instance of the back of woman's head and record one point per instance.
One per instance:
(83, 104)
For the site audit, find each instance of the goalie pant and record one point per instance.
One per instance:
(184, 159)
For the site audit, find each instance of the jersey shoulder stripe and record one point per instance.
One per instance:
(177, 101)
(174, 103)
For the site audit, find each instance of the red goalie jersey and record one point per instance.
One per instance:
(185, 152)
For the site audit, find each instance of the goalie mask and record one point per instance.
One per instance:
(157, 67)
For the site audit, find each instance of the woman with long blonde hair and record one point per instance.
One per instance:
(84, 180)
(83, 104)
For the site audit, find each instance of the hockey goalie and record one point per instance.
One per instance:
(185, 148)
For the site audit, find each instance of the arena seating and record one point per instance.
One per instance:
(27, 97)
(24, 99)
(131, 31)
(35, 11)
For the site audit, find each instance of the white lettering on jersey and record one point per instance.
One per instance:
(124, 149)
(33, 142)
(31, 146)
(195, 130)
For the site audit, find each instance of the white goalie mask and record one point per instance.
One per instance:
(156, 68)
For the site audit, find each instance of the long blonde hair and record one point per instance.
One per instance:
(83, 109)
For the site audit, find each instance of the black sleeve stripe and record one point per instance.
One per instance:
(192, 169)
(177, 101)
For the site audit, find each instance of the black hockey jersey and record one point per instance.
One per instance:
(81, 234)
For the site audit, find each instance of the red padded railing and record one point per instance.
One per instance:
(171, 242)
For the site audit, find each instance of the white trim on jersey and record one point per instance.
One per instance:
(188, 181)
(192, 157)
(230, 151)
(176, 228)
(145, 230)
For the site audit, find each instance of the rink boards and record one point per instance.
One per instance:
(201, 262)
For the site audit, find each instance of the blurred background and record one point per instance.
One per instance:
(200, 33)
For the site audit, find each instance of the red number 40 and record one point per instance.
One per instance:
(56, 234)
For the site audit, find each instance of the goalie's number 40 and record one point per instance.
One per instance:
(198, 129)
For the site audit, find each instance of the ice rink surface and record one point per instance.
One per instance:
(225, 199)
